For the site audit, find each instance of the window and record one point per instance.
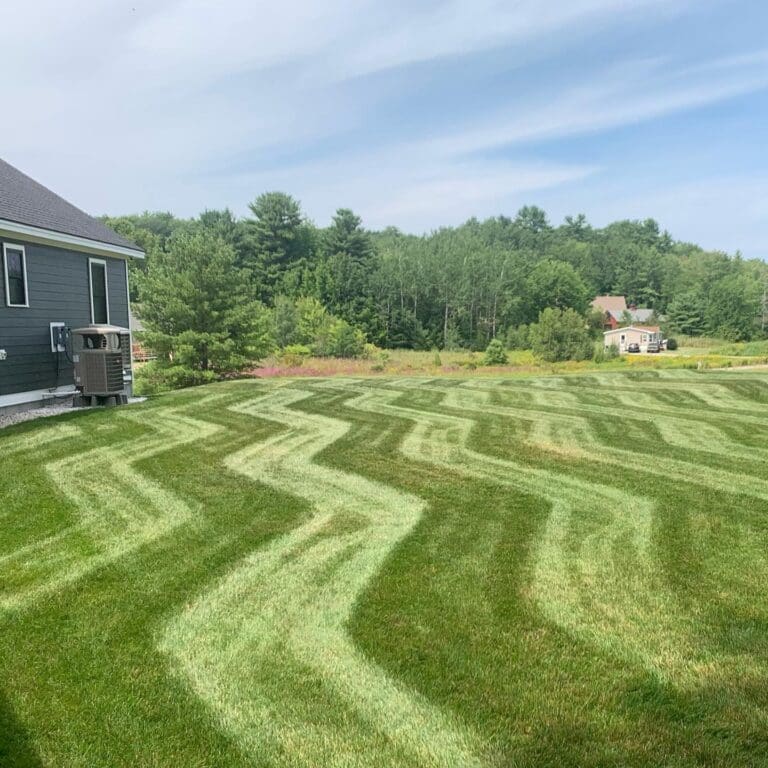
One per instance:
(99, 291)
(15, 262)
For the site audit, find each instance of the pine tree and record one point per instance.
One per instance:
(280, 245)
(200, 309)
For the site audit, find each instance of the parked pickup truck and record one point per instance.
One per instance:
(653, 346)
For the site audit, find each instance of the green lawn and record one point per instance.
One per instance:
(551, 571)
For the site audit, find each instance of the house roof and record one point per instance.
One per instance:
(23, 201)
(640, 315)
(610, 303)
(641, 328)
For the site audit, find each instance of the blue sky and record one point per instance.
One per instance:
(415, 114)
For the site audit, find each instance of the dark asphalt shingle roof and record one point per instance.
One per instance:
(637, 315)
(24, 201)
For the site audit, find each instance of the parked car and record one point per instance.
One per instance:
(633, 347)
(653, 346)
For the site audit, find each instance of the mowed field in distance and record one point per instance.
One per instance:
(548, 571)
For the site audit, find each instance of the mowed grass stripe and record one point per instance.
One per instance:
(15, 444)
(595, 571)
(545, 608)
(118, 509)
(572, 435)
(287, 607)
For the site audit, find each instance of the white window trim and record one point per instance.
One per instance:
(90, 286)
(14, 247)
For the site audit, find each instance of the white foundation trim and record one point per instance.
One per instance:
(35, 395)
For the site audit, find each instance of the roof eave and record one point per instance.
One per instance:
(646, 329)
(71, 242)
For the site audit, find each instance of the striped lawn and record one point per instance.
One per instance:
(403, 572)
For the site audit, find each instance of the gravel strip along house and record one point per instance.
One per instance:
(61, 270)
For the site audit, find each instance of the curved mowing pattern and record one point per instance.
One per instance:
(286, 608)
(119, 509)
(572, 435)
(412, 572)
(595, 574)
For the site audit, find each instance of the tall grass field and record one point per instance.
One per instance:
(355, 572)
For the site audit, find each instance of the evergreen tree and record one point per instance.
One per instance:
(561, 335)
(345, 277)
(200, 310)
(280, 244)
(685, 313)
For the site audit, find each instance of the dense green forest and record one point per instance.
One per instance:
(454, 287)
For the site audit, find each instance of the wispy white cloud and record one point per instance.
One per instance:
(725, 212)
(387, 189)
(629, 93)
(421, 184)
(348, 38)
(122, 106)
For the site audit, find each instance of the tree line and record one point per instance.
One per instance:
(456, 287)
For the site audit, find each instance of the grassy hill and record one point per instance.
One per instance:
(391, 572)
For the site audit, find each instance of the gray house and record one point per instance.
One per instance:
(61, 268)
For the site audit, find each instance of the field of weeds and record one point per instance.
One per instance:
(403, 362)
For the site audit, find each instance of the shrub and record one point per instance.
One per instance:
(346, 341)
(518, 338)
(605, 354)
(295, 354)
(452, 339)
(671, 343)
(312, 320)
(495, 354)
(600, 354)
(437, 361)
(155, 377)
(561, 335)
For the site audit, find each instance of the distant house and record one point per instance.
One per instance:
(61, 269)
(610, 306)
(615, 311)
(633, 334)
(140, 353)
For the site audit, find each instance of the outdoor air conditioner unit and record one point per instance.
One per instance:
(99, 359)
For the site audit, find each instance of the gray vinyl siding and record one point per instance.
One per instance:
(58, 289)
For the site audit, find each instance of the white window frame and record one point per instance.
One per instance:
(15, 247)
(90, 286)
